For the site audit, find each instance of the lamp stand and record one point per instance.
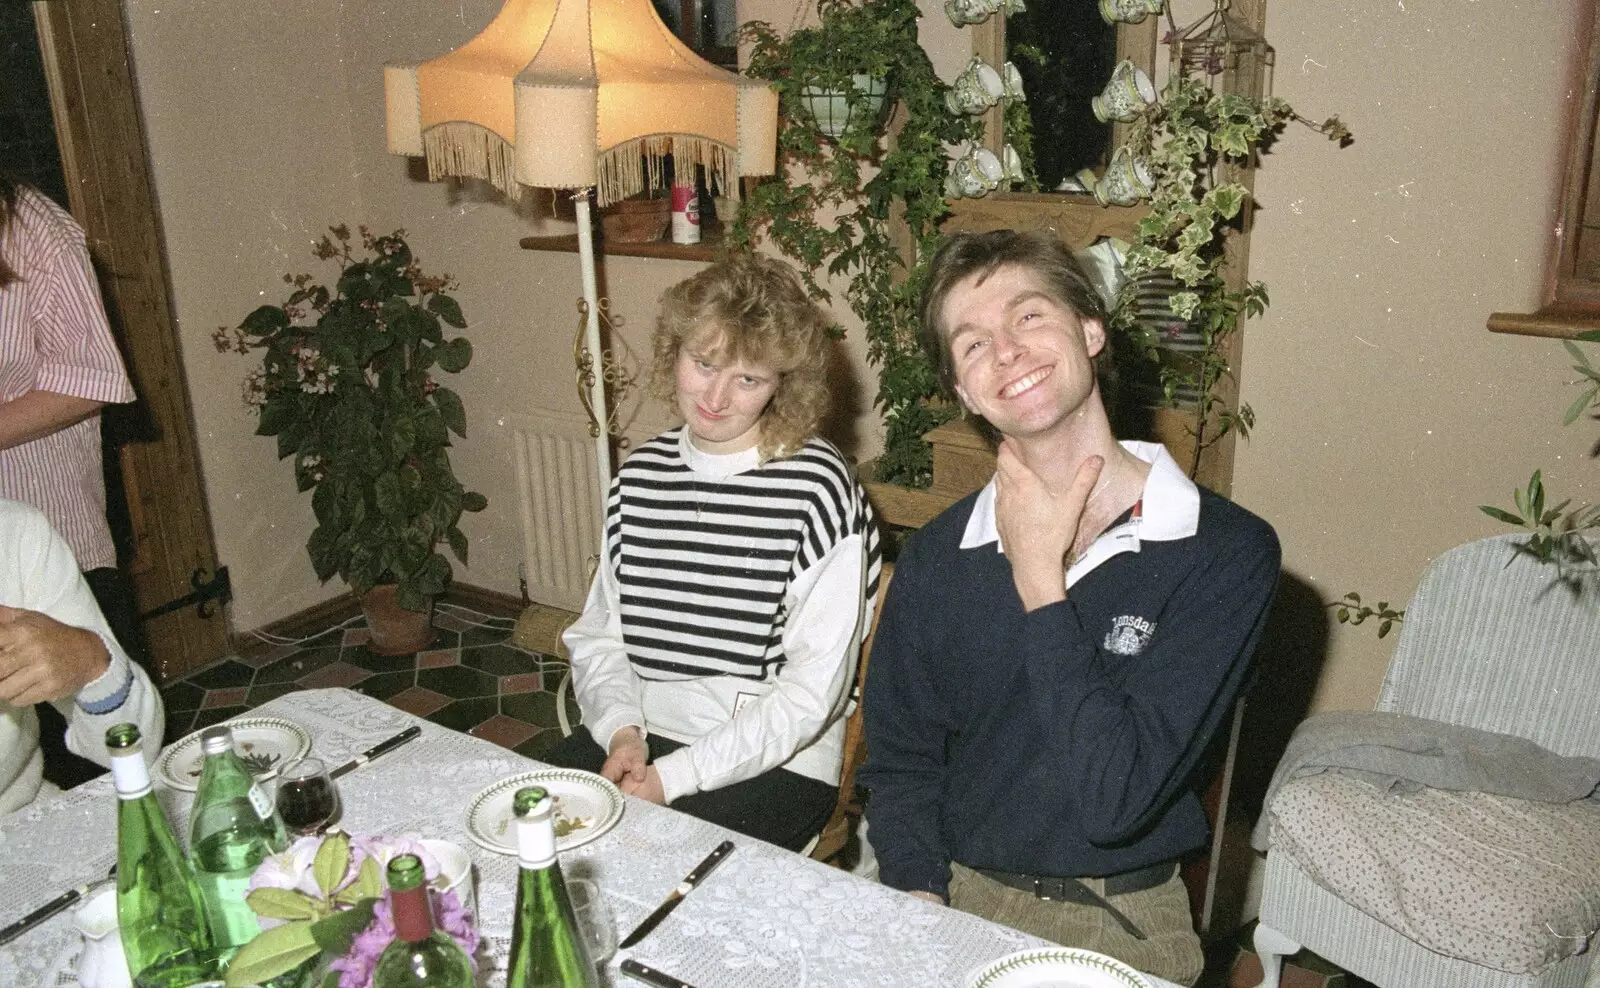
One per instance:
(592, 375)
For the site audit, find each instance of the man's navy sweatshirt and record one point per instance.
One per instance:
(1059, 742)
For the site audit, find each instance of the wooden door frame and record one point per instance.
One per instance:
(100, 132)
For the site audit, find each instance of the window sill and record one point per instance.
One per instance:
(1553, 324)
(706, 250)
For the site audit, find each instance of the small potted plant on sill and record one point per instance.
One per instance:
(347, 385)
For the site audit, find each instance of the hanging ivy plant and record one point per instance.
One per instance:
(823, 210)
(1191, 139)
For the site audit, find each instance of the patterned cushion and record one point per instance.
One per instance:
(1505, 883)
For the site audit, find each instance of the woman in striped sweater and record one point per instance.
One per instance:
(714, 656)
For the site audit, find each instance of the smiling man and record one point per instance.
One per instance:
(1058, 648)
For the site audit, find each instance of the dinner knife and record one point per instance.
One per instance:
(651, 976)
(690, 880)
(44, 912)
(381, 748)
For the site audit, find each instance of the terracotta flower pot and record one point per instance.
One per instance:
(395, 630)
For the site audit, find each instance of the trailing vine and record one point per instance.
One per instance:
(1191, 139)
(822, 210)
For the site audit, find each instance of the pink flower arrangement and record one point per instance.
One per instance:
(333, 886)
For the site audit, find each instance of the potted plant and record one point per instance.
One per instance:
(820, 211)
(837, 73)
(347, 385)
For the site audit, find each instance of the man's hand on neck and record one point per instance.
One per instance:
(1039, 525)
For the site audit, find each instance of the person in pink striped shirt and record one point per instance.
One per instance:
(58, 367)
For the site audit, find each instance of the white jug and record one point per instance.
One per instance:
(102, 963)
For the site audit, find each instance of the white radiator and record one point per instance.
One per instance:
(560, 492)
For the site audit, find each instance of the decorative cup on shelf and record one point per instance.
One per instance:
(978, 87)
(974, 174)
(1011, 163)
(1129, 11)
(1009, 7)
(102, 964)
(1128, 93)
(964, 12)
(1127, 180)
(1011, 80)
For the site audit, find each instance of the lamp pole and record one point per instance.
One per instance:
(600, 420)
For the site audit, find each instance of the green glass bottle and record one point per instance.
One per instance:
(420, 956)
(232, 828)
(547, 949)
(160, 912)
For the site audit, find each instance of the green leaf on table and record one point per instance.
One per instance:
(368, 885)
(335, 933)
(281, 904)
(331, 862)
(271, 953)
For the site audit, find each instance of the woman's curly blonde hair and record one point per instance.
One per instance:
(753, 308)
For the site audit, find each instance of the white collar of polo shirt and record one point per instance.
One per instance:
(1170, 510)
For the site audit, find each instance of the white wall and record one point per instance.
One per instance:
(249, 136)
(1388, 412)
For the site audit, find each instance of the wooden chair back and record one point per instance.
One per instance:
(836, 832)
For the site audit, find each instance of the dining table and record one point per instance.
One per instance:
(765, 918)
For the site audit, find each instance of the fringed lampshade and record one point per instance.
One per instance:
(571, 94)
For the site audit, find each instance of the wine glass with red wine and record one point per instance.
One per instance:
(307, 798)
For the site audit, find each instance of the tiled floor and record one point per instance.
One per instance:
(470, 678)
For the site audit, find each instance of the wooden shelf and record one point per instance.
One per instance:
(706, 250)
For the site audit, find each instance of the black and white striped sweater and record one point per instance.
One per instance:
(704, 563)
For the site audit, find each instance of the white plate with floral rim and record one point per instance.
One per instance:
(1058, 967)
(587, 805)
(265, 744)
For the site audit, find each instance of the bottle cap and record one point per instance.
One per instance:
(216, 740)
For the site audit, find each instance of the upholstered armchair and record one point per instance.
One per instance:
(1428, 887)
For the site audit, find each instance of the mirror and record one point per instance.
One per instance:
(1065, 52)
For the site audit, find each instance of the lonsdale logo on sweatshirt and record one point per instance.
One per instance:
(1129, 634)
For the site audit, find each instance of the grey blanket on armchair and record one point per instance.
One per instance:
(1399, 752)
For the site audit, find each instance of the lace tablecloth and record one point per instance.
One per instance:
(766, 918)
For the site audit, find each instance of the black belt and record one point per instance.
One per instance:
(1074, 890)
